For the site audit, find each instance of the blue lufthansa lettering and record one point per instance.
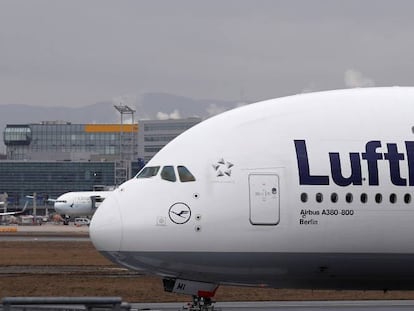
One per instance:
(372, 156)
(305, 178)
(409, 146)
(355, 178)
(394, 158)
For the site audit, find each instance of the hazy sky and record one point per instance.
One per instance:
(77, 52)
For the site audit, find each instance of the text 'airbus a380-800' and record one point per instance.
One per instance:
(308, 191)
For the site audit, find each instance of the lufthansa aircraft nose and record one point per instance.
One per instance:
(106, 226)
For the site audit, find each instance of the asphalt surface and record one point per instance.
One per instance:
(49, 232)
(52, 232)
(382, 305)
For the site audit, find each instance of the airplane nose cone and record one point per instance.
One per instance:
(58, 208)
(105, 229)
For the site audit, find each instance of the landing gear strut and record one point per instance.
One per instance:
(201, 292)
(201, 304)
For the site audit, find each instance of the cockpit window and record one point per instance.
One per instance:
(168, 173)
(185, 174)
(149, 172)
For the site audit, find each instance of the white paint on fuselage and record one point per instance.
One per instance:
(79, 203)
(259, 139)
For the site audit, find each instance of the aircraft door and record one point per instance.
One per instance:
(264, 199)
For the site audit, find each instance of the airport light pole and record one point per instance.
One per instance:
(34, 205)
(124, 110)
(124, 169)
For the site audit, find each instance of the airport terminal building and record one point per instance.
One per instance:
(54, 157)
(64, 141)
(155, 134)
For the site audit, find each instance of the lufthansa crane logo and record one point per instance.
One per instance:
(179, 213)
(223, 168)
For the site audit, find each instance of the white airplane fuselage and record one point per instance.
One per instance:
(81, 203)
(306, 191)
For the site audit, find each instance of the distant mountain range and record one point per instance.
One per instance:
(148, 106)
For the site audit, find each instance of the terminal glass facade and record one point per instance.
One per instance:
(17, 135)
(155, 134)
(54, 157)
(66, 141)
(51, 179)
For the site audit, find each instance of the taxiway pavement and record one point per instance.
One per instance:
(380, 305)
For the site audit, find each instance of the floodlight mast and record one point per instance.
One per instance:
(123, 172)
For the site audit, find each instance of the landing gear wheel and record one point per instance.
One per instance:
(201, 292)
(201, 304)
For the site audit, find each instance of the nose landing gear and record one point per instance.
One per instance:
(200, 291)
(201, 304)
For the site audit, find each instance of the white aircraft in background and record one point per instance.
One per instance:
(309, 191)
(81, 203)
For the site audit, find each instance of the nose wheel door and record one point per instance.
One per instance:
(264, 199)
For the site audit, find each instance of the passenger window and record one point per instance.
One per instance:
(304, 197)
(319, 197)
(393, 198)
(349, 198)
(185, 174)
(364, 197)
(148, 172)
(168, 173)
(407, 198)
(378, 198)
(334, 197)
